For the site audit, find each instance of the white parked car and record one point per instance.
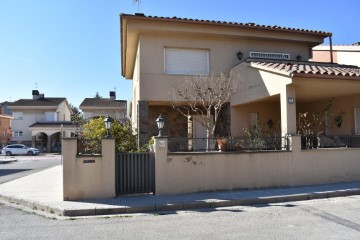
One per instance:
(19, 149)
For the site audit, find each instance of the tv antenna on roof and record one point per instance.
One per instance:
(36, 85)
(138, 2)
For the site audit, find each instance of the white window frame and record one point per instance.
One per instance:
(18, 115)
(18, 133)
(186, 61)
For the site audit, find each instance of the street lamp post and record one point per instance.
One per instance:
(160, 121)
(108, 122)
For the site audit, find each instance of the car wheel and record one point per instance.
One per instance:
(30, 153)
(8, 153)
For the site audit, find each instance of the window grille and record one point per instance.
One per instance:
(268, 55)
(186, 61)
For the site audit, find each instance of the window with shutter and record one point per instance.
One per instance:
(186, 61)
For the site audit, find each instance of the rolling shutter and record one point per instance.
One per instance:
(186, 61)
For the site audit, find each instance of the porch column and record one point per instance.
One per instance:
(48, 145)
(288, 110)
(33, 138)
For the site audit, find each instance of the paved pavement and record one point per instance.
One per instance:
(6, 159)
(43, 191)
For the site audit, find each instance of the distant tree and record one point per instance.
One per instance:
(125, 139)
(97, 95)
(76, 115)
(77, 118)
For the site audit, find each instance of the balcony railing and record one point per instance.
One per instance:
(330, 141)
(227, 144)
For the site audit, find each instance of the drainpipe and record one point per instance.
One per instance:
(331, 50)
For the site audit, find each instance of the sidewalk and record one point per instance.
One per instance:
(7, 159)
(43, 191)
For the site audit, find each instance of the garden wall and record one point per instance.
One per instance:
(177, 173)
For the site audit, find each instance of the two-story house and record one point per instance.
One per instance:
(40, 121)
(98, 106)
(278, 80)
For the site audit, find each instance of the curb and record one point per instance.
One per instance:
(5, 161)
(178, 206)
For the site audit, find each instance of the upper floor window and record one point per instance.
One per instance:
(18, 115)
(186, 61)
(18, 133)
(50, 116)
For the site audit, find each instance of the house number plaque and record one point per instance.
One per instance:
(88, 161)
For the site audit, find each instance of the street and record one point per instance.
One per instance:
(336, 218)
(26, 165)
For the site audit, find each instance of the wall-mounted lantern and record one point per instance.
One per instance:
(239, 55)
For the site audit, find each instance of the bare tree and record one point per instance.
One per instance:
(205, 95)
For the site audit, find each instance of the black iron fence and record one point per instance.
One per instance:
(227, 144)
(330, 141)
(88, 146)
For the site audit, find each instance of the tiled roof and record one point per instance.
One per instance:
(236, 24)
(44, 102)
(53, 124)
(311, 68)
(103, 103)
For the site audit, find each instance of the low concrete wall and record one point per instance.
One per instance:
(88, 176)
(196, 172)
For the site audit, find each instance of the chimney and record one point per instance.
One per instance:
(112, 95)
(35, 94)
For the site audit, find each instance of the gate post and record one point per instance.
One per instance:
(161, 152)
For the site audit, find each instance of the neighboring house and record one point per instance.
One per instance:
(4, 108)
(5, 128)
(40, 121)
(342, 54)
(94, 107)
(279, 81)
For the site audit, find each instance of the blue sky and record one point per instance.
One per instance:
(71, 48)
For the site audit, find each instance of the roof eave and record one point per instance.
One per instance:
(327, 76)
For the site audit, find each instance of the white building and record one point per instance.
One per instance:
(39, 121)
(95, 107)
(342, 54)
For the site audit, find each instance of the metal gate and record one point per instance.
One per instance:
(135, 173)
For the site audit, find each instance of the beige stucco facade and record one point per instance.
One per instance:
(198, 172)
(144, 41)
(268, 92)
(88, 176)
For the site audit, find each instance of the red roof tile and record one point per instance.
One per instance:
(313, 68)
(247, 25)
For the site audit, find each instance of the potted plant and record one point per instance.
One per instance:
(222, 143)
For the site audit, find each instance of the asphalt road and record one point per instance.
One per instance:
(336, 218)
(26, 165)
